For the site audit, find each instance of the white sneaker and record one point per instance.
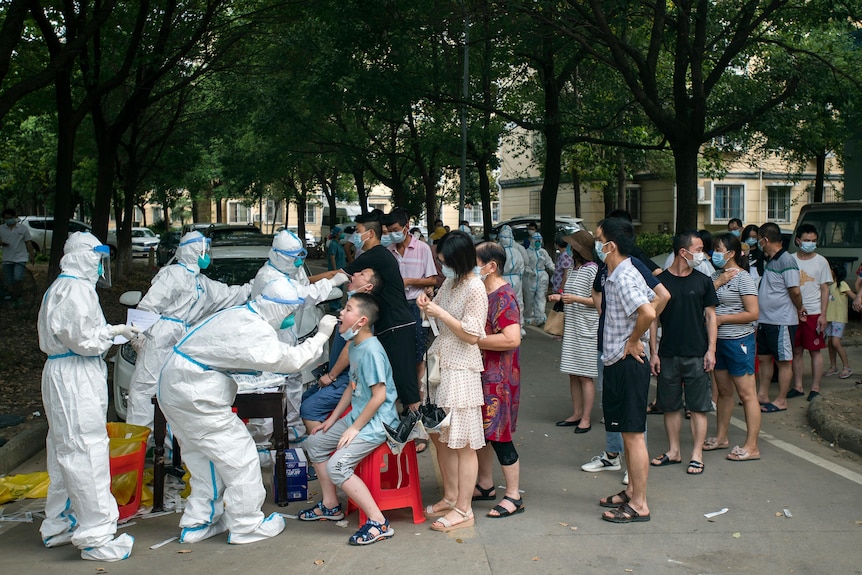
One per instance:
(602, 463)
(626, 478)
(117, 550)
(269, 527)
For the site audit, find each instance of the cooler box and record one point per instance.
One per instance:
(297, 475)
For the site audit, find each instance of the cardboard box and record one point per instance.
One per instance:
(296, 466)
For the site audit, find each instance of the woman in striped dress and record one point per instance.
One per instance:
(578, 357)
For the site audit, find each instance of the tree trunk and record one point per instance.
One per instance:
(685, 159)
(106, 146)
(485, 194)
(819, 177)
(359, 179)
(576, 190)
(66, 128)
(621, 180)
(551, 184)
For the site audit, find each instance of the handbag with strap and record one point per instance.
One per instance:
(556, 321)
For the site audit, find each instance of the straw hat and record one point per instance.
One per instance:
(582, 243)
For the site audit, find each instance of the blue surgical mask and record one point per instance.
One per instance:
(397, 237)
(204, 261)
(598, 247)
(288, 322)
(808, 247)
(751, 241)
(350, 333)
(537, 244)
(478, 271)
(356, 240)
(298, 262)
(718, 259)
(448, 272)
(386, 241)
(736, 233)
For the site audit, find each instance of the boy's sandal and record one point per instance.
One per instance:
(365, 537)
(429, 510)
(446, 526)
(832, 371)
(503, 512)
(326, 513)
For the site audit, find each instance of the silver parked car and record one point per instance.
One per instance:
(236, 263)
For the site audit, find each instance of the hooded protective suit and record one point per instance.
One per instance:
(196, 392)
(182, 296)
(80, 508)
(514, 268)
(285, 261)
(536, 281)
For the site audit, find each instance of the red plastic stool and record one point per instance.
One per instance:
(393, 481)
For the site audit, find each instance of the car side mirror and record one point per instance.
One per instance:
(131, 298)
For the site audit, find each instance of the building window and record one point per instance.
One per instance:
(237, 213)
(633, 203)
(778, 203)
(727, 202)
(372, 207)
(495, 211)
(310, 213)
(536, 201)
(473, 214)
(157, 214)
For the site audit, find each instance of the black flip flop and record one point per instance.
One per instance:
(503, 512)
(694, 463)
(485, 494)
(664, 460)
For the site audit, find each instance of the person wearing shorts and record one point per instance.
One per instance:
(686, 352)
(840, 296)
(629, 311)
(814, 279)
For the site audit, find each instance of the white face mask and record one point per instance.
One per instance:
(696, 259)
(448, 272)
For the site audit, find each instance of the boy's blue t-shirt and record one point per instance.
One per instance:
(369, 365)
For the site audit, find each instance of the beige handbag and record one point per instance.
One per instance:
(432, 366)
(556, 321)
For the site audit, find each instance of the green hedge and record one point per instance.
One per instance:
(655, 243)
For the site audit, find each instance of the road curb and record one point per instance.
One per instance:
(23, 446)
(829, 424)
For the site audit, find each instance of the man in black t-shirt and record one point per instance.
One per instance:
(395, 326)
(686, 352)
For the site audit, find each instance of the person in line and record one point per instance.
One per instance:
(461, 311)
(336, 258)
(736, 315)
(532, 228)
(17, 251)
(501, 383)
(686, 352)
(637, 253)
(704, 264)
(814, 280)
(181, 296)
(196, 392)
(536, 269)
(629, 315)
(750, 237)
(840, 296)
(322, 397)
(514, 270)
(464, 226)
(781, 309)
(562, 266)
(337, 446)
(578, 355)
(80, 508)
(438, 232)
(734, 226)
(395, 327)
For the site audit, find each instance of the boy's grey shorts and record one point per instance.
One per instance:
(339, 465)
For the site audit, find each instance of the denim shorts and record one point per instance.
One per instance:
(736, 356)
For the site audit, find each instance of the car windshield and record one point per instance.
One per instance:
(234, 271)
(230, 235)
(144, 233)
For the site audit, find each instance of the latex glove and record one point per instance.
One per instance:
(138, 342)
(340, 279)
(127, 331)
(327, 325)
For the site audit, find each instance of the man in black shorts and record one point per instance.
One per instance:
(628, 315)
(395, 326)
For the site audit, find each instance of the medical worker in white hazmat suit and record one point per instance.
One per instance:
(537, 267)
(286, 258)
(80, 508)
(182, 296)
(196, 392)
(514, 268)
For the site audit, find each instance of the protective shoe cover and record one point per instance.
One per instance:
(182, 296)
(58, 540)
(269, 527)
(201, 532)
(74, 334)
(116, 550)
(514, 268)
(196, 393)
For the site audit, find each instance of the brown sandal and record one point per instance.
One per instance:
(609, 502)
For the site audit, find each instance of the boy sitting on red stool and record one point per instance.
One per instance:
(371, 395)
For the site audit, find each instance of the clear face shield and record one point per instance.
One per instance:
(203, 247)
(298, 256)
(104, 280)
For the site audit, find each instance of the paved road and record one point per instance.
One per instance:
(561, 531)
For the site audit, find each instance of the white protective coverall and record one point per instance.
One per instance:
(537, 267)
(196, 392)
(285, 261)
(80, 508)
(182, 296)
(514, 268)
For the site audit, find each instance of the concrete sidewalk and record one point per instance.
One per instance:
(561, 531)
